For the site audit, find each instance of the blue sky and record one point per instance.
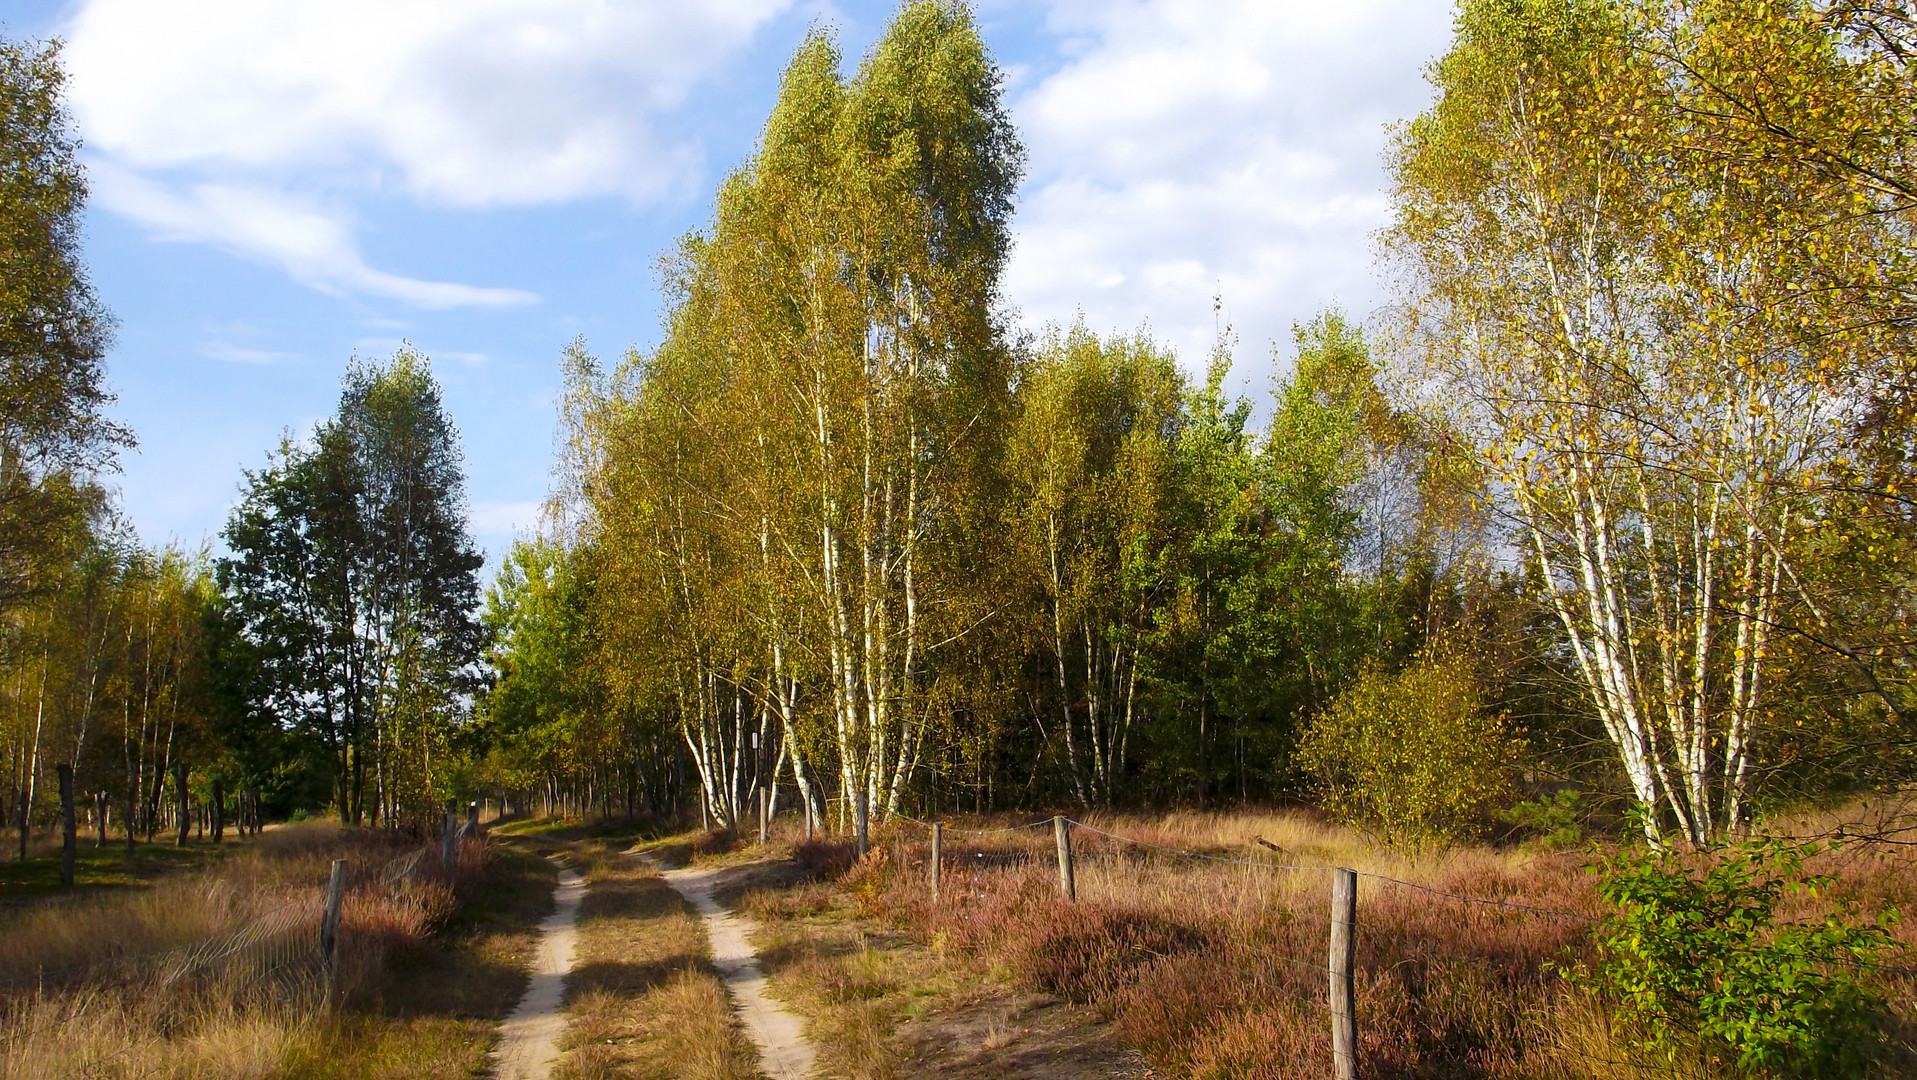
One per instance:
(278, 186)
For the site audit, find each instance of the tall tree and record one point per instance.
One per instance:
(1091, 455)
(1625, 226)
(353, 576)
(833, 379)
(54, 434)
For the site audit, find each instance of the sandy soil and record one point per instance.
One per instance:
(784, 1051)
(529, 1038)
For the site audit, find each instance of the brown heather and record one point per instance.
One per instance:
(1217, 971)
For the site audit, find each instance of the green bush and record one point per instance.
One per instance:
(1414, 756)
(1694, 961)
(1554, 821)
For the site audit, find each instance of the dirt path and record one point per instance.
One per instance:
(784, 1051)
(529, 1039)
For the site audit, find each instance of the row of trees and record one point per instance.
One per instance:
(331, 650)
(840, 528)
(1630, 483)
(1617, 497)
(329, 657)
(106, 678)
(96, 632)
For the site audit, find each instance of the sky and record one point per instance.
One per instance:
(277, 187)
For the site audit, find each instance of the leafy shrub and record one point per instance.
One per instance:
(1697, 962)
(1554, 820)
(1413, 756)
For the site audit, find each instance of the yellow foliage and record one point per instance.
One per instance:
(1414, 755)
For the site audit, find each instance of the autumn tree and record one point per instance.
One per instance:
(1621, 228)
(1091, 457)
(781, 472)
(54, 432)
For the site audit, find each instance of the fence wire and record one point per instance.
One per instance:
(1554, 913)
(276, 950)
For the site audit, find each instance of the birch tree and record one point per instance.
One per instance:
(1091, 453)
(55, 437)
(851, 274)
(1619, 313)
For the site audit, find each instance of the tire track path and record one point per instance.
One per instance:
(784, 1051)
(529, 1038)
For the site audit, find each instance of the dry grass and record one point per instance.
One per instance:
(641, 1000)
(115, 1034)
(852, 976)
(126, 985)
(1216, 970)
(59, 939)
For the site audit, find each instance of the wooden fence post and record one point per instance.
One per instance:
(1062, 833)
(66, 824)
(938, 857)
(446, 840)
(329, 923)
(472, 819)
(861, 808)
(765, 815)
(1344, 942)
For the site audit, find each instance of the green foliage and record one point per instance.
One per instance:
(55, 436)
(1414, 756)
(537, 714)
(354, 582)
(1555, 820)
(1696, 961)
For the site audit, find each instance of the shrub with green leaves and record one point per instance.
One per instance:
(1414, 756)
(1554, 821)
(1694, 961)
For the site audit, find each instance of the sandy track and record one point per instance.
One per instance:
(529, 1039)
(784, 1051)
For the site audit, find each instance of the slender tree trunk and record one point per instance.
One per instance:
(68, 845)
(179, 790)
(32, 785)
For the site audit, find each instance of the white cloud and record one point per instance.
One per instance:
(240, 354)
(1200, 147)
(505, 518)
(470, 102)
(313, 244)
(219, 120)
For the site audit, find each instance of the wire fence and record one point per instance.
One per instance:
(1324, 973)
(280, 957)
(1411, 937)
